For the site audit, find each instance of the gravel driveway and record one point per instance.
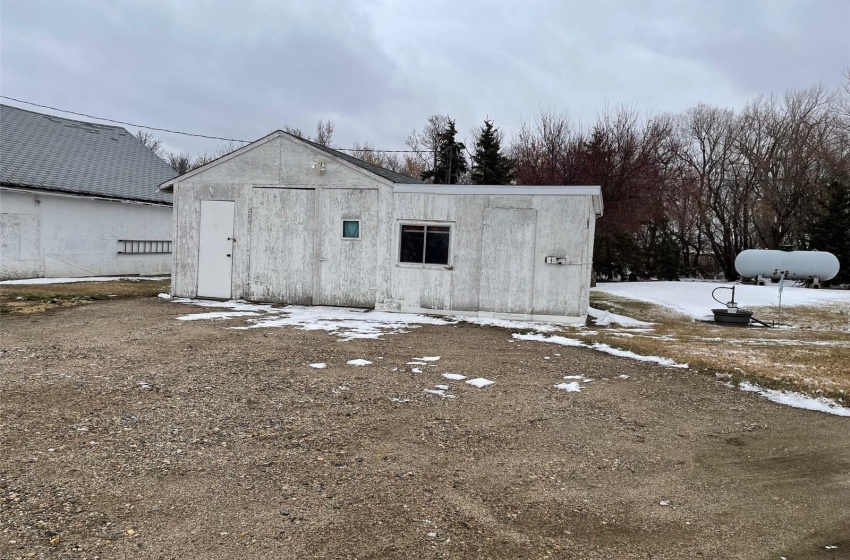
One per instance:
(125, 433)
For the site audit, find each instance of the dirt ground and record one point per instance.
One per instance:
(125, 433)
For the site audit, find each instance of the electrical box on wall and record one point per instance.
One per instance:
(555, 260)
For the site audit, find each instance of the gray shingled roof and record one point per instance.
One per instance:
(52, 153)
(385, 173)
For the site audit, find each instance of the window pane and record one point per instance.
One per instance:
(437, 245)
(412, 244)
(351, 228)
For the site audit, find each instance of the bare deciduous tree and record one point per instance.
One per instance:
(324, 133)
(150, 141)
(221, 151)
(181, 163)
(293, 131)
(426, 144)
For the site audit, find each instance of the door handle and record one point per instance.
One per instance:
(228, 254)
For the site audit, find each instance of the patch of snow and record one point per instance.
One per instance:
(213, 315)
(604, 318)
(234, 305)
(440, 392)
(508, 324)
(428, 358)
(358, 362)
(319, 365)
(555, 339)
(664, 503)
(33, 281)
(415, 370)
(443, 387)
(623, 376)
(797, 400)
(564, 341)
(573, 377)
(454, 376)
(571, 387)
(346, 323)
(694, 298)
(639, 357)
(479, 382)
(164, 296)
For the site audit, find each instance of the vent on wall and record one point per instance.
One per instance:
(143, 246)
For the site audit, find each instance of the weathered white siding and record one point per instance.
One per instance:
(281, 245)
(346, 271)
(287, 226)
(497, 257)
(289, 246)
(47, 235)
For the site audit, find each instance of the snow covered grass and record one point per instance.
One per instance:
(810, 353)
(605, 318)
(694, 298)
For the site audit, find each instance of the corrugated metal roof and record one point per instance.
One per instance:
(53, 153)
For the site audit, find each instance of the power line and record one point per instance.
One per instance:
(124, 122)
(169, 131)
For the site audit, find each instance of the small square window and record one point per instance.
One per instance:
(424, 244)
(351, 229)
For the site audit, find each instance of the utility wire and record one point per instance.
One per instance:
(188, 133)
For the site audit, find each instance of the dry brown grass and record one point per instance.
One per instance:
(809, 352)
(38, 298)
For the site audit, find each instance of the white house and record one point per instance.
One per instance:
(286, 220)
(79, 199)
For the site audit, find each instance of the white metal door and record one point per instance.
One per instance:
(215, 256)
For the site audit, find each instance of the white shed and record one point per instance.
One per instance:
(79, 199)
(286, 220)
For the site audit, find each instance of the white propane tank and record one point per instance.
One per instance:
(797, 265)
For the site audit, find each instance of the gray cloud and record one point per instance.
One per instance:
(379, 68)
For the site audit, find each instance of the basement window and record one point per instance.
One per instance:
(424, 244)
(351, 229)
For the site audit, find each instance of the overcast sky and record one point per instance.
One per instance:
(378, 68)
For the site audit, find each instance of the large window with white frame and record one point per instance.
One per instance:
(424, 244)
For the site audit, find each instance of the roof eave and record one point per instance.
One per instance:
(168, 186)
(64, 192)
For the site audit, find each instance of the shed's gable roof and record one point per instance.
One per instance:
(386, 174)
(377, 170)
(50, 153)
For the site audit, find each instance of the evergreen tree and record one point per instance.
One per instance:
(450, 160)
(489, 165)
(830, 229)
